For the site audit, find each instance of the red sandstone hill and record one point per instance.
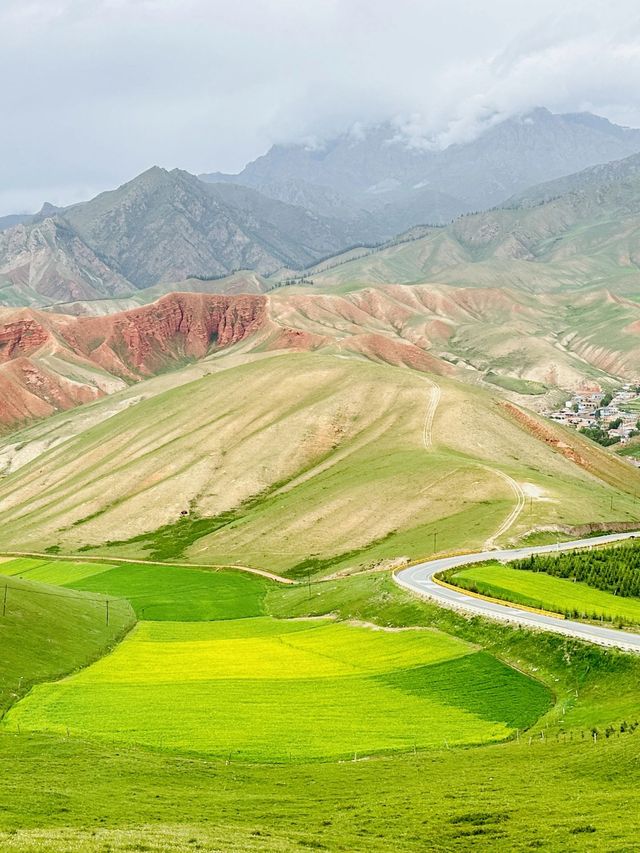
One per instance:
(51, 362)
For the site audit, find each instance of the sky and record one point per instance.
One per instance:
(97, 91)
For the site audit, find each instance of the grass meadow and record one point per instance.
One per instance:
(57, 572)
(155, 591)
(182, 594)
(540, 590)
(98, 761)
(271, 690)
(46, 631)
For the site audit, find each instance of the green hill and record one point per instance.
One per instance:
(74, 791)
(47, 631)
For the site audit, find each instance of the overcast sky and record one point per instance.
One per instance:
(96, 91)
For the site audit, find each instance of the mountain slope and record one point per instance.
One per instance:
(51, 362)
(581, 231)
(13, 219)
(273, 459)
(401, 184)
(160, 227)
(621, 176)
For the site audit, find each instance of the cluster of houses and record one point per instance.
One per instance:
(592, 408)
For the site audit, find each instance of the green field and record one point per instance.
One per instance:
(46, 632)
(156, 592)
(537, 589)
(268, 690)
(182, 594)
(57, 572)
(74, 792)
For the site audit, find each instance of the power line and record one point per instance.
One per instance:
(78, 596)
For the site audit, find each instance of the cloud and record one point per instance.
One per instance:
(98, 90)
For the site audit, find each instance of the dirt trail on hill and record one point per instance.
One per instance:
(427, 440)
(434, 400)
(511, 519)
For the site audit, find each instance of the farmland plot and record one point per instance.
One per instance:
(276, 690)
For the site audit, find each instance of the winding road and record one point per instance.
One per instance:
(419, 579)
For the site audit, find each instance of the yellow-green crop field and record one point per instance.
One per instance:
(277, 690)
(537, 589)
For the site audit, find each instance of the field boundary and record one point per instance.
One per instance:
(127, 560)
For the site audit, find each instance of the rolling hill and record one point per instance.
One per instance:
(51, 362)
(292, 461)
(47, 632)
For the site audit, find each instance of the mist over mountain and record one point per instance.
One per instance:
(603, 178)
(401, 184)
(297, 205)
(13, 219)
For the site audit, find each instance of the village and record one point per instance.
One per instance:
(608, 417)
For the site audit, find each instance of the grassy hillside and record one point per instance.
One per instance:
(46, 632)
(499, 328)
(80, 794)
(154, 591)
(351, 463)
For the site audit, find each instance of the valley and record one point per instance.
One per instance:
(124, 746)
(291, 491)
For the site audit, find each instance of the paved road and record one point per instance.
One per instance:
(419, 579)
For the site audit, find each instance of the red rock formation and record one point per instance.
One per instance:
(50, 362)
(21, 338)
(129, 345)
(178, 326)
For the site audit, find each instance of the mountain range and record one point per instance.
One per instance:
(296, 206)
(578, 232)
(380, 173)
(160, 227)
(138, 404)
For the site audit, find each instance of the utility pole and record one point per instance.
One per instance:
(309, 582)
(435, 541)
(107, 611)
(4, 601)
